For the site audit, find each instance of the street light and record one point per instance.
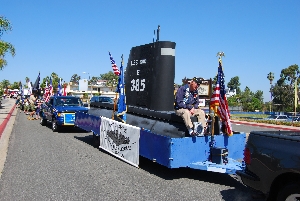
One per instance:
(270, 78)
(88, 82)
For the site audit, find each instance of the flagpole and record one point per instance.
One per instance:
(296, 87)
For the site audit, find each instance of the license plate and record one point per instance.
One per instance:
(69, 119)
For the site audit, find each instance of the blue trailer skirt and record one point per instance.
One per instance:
(177, 152)
(193, 152)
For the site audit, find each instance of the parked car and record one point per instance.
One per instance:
(101, 99)
(294, 118)
(277, 117)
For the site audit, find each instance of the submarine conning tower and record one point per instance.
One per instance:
(149, 76)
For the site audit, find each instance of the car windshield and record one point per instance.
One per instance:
(271, 117)
(72, 101)
(106, 99)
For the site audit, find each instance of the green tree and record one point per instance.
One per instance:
(5, 85)
(233, 101)
(111, 78)
(284, 89)
(234, 83)
(93, 80)
(5, 47)
(75, 79)
(15, 85)
(43, 83)
(259, 95)
(55, 81)
(255, 104)
(214, 81)
(246, 98)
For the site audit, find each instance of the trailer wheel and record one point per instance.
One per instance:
(55, 127)
(291, 191)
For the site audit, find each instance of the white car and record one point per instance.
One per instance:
(277, 117)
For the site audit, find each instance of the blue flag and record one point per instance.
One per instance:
(59, 89)
(122, 109)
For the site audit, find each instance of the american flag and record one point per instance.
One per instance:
(114, 65)
(64, 91)
(48, 91)
(219, 102)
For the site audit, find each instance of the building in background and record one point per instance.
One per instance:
(98, 88)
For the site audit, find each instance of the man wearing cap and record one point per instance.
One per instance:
(187, 104)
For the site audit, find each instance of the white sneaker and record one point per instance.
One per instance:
(191, 131)
(198, 128)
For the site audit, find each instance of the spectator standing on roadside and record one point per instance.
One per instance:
(32, 106)
(38, 109)
(26, 106)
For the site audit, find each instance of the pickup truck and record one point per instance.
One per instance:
(272, 164)
(60, 111)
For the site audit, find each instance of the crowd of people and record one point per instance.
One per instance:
(30, 105)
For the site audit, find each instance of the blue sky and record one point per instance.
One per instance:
(73, 36)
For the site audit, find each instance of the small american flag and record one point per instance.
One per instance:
(219, 102)
(48, 91)
(114, 65)
(64, 91)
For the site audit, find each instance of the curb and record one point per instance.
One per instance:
(267, 126)
(6, 128)
(5, 121)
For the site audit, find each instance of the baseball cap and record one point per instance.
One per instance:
(197, 80)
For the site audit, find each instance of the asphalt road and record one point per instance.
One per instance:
(42, 165)
(248, 129)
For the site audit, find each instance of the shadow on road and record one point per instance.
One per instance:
(86, 139)
(67, 129)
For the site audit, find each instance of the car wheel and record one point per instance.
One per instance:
(54, 125)
(291, 191)
(43, 121)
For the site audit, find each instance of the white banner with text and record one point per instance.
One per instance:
(121, 140)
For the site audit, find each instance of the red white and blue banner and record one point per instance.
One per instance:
(121, 140)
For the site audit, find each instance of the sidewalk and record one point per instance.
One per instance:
(6, 110)
(7, 120)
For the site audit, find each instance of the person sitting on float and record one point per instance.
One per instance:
(187, 105)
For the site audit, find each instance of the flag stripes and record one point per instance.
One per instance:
(219, 102)
(114, 65)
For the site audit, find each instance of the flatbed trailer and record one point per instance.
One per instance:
(149, 86)
(218, 153)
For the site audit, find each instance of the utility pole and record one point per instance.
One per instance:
(270, 78)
